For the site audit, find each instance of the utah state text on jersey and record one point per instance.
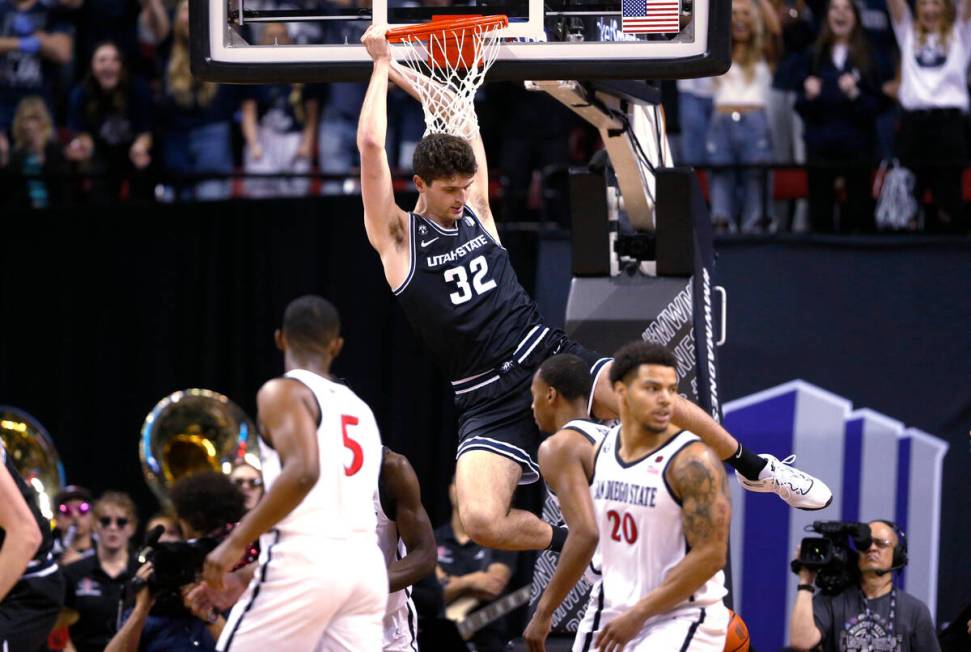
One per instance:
(459, 252)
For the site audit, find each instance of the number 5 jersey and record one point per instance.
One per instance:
(340, 505)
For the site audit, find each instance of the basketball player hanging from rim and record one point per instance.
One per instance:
(446, 265)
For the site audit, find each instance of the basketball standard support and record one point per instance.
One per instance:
(654, 282)
(630, 132)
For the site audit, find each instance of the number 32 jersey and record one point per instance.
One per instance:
(462, 296)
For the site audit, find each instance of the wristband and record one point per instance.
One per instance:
(29, 44)
(806, 587)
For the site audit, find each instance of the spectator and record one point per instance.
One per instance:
(883, 50)
(31, 38)
(695, 105)
(194, 120)
(785, 125)
(472, 575)
(340, 109)
(870, 614)
(839, 102)
(739, 131)
(126, 23)
(278, 124)
(109, 116)
(95, 584)
(934, 51)
(37, 165)
(532, 132)
(250, 481)
(74, 520)
(162, 619)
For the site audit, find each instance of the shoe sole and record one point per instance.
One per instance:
(768, 490)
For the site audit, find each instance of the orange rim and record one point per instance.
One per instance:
(441, 24)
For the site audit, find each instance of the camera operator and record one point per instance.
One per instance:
(162, 619)
(869, 613)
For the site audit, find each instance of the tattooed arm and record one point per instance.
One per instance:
(698, 479)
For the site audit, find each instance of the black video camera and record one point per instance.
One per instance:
(174, 564)
(834, 555)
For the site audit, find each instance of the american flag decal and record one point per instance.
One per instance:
(651, 16)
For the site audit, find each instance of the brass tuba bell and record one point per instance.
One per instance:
(33, 454)
(194, 430)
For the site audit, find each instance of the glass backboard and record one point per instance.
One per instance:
(262, 41)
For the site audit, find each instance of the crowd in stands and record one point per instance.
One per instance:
(98, 103)
(838, 86)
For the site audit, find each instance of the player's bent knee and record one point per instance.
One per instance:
(482, 524)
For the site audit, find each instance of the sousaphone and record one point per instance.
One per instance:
(33, 454)
(194, 430)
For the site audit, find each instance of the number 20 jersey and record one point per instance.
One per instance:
(462, 296)
(341, 504)
(641, 533)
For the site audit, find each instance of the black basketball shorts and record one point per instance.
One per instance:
(29, 612)
(494, 406)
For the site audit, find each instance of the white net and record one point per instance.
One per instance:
(447, 68)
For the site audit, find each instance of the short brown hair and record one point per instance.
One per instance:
(440, 156)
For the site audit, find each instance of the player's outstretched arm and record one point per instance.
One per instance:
(696, 475)
(288, 420)
(384, 222)
(692, 418)
(23, 537)
(414, 526)
(564, 461)
(479, 192)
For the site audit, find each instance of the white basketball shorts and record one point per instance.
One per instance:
(322, 595)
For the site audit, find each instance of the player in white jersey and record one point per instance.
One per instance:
(560, 391)
(407, 540)
(663, 516)
(322, 582)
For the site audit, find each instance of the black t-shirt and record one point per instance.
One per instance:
(97, 598)
(847, 625)
(458, 559)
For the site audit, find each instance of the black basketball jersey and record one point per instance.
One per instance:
(30, 497)
(462, 296)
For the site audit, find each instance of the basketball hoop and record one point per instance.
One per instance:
(446, 60)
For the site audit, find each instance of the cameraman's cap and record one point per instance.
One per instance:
(72, 492)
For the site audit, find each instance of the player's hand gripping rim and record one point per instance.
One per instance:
(376, 43)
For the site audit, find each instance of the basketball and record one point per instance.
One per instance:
(737, 639)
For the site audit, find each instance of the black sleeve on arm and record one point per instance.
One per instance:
(505, 557)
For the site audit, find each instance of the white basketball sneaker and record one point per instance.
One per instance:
(797, 488)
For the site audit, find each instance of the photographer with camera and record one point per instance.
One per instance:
(207, 506)
(859, 607)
